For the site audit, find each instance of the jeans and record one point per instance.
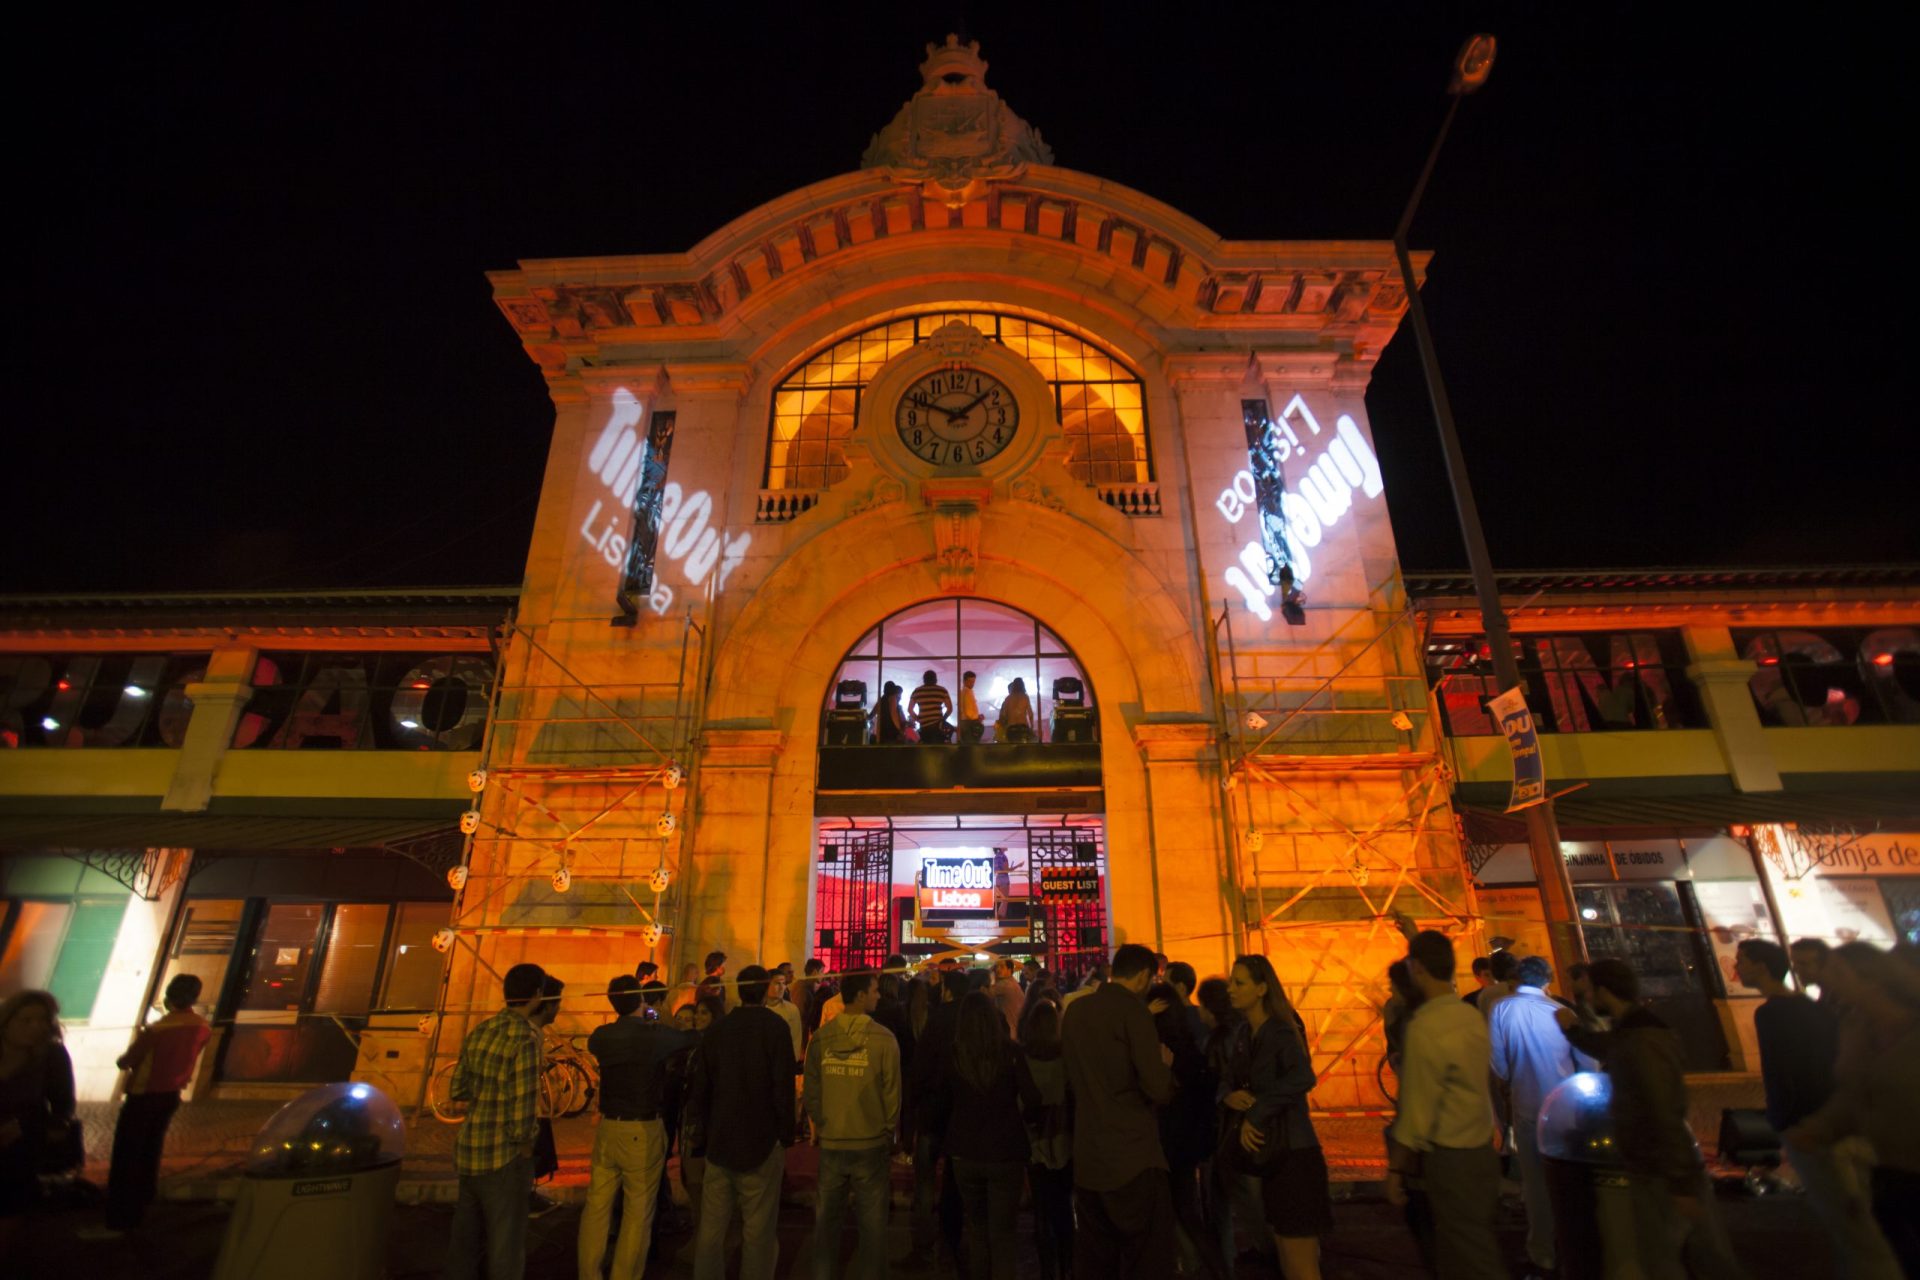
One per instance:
(139, 1138)
(628, 1156)
(1125, 1232)
(757, 1192)
(867, 1175)
(1463, 1196)
(1053, 1219)
(1860, 1251)
(1199, 1247)
(990, 1194)
(1533, 1190)
(490, 1223)
(1672, 1247)
(936, 1204)
(1230, 1192)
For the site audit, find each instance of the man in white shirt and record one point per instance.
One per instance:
(777, 1001)
(1530, 1057)
(1445, 1121)
(973, 726)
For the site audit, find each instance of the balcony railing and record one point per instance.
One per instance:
(1131, 499)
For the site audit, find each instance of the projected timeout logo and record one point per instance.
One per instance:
(635, 478)
(956, 887)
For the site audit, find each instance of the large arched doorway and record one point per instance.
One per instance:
(968, 823)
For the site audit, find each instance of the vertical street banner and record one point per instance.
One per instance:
(1267, 449)
(650, 486)
(1529, 771)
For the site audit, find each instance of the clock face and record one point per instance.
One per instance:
(957, 417)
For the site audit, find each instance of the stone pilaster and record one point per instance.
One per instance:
(740, 892)
(217, 703)
(1178, 887)
(1723, 677)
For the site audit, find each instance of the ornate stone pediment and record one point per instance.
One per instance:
(955, 136)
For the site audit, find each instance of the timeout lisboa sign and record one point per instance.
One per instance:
(1323, 491)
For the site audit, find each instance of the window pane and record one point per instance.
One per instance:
(282, 957)
(84, 954)
(993, 631)
(353, 958)
(414, 968)
(204, 946)
(926, 631)
(28, 962)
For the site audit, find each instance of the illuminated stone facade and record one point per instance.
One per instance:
(792, 520)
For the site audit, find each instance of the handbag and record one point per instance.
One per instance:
(1258, 1164)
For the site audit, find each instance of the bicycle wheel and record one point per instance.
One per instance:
(1387, 1082)
(444, 1108)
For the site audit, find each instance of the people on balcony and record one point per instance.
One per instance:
(889, 725)
(931, 705)
(1016, 714)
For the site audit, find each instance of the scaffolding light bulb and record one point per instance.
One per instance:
(562, 880)
(665, 824)
(1256, 721)
(477, 781)
(1402, 721)
(1255, 840)
(456, 878)
(660, 879)
(425, 1025)
(470, 822)
(443, 940)
(673, 777)
(652, 934)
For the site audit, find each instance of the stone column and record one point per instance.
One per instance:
(739, 892)
(1723, 677)
(1191, 915)
(217, 703)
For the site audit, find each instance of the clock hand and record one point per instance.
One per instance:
(961, 413)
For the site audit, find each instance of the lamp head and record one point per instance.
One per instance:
(1472, 65)
(456, 878)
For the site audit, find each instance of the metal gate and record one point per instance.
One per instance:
(1067, 870)
(853, 899)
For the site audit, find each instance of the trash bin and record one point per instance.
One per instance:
(1592, 1215)
(318, 1192)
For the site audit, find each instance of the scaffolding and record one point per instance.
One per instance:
(583, 806)
(1341, 828)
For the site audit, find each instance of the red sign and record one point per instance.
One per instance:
(952, 886)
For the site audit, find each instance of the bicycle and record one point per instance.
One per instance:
(569, 1081)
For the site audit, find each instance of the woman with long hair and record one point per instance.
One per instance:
(1267, 1120)
(1050, 1131)
(988, 1086)
(1187, 1130)
(36, 1098)
(693, 1135)
(1016, 714)
(889, 722)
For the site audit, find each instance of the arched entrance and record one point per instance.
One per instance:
(953, 816)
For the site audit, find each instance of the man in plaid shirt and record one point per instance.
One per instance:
(498, 1076)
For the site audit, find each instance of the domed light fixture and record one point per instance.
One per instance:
(673, 777)
(562, 880)
(477, 781)
(652, 934)
(456, 878)
(665, 825)
(660, 879)
(443, 940)
(1473, 64)
(1255, 840)
(469, 822)
(1255, 721)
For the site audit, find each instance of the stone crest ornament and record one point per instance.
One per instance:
(956, 340)
(955, 136)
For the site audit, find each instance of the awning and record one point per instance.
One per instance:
(1867, 808)
(21, 832)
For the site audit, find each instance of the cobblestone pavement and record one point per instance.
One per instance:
(1775, 1237)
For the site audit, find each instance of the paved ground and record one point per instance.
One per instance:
(1775, 1237)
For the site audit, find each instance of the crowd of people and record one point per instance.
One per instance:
(1154, 1123)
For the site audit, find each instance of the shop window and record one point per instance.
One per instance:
(1834, 676)
(345, 701)
(1903, 905)
(33, 944)
(1101, 403)
(350, 964)
(203, 946)
(283, 958)
(1583, 683)
(414, 968)
(84, 953)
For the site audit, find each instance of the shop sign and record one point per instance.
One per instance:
(1798, 854)
(1069, 884)
(956, 886)
(1322, 494)
(1733, 911)
(1588, 860)
(1841, 909)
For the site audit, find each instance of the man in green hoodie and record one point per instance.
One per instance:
(852, 1095)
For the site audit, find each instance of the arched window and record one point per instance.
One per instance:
(1101, 403)
(997, 643)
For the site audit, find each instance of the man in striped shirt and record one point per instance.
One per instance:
(931, 705)
(498, 1076)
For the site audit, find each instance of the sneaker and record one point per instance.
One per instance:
(99, 1233)
(538, 1206)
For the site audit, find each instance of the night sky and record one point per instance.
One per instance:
(260, 352)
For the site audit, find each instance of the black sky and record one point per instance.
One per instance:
(258, 350)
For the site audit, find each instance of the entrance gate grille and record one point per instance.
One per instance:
(854, 902)
(1070, 914)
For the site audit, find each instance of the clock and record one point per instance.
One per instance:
(957, 417)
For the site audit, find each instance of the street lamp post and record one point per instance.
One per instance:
(1471, 68)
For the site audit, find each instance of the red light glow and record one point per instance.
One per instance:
(1769, 662)
(63, 686)
(1882, 659)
